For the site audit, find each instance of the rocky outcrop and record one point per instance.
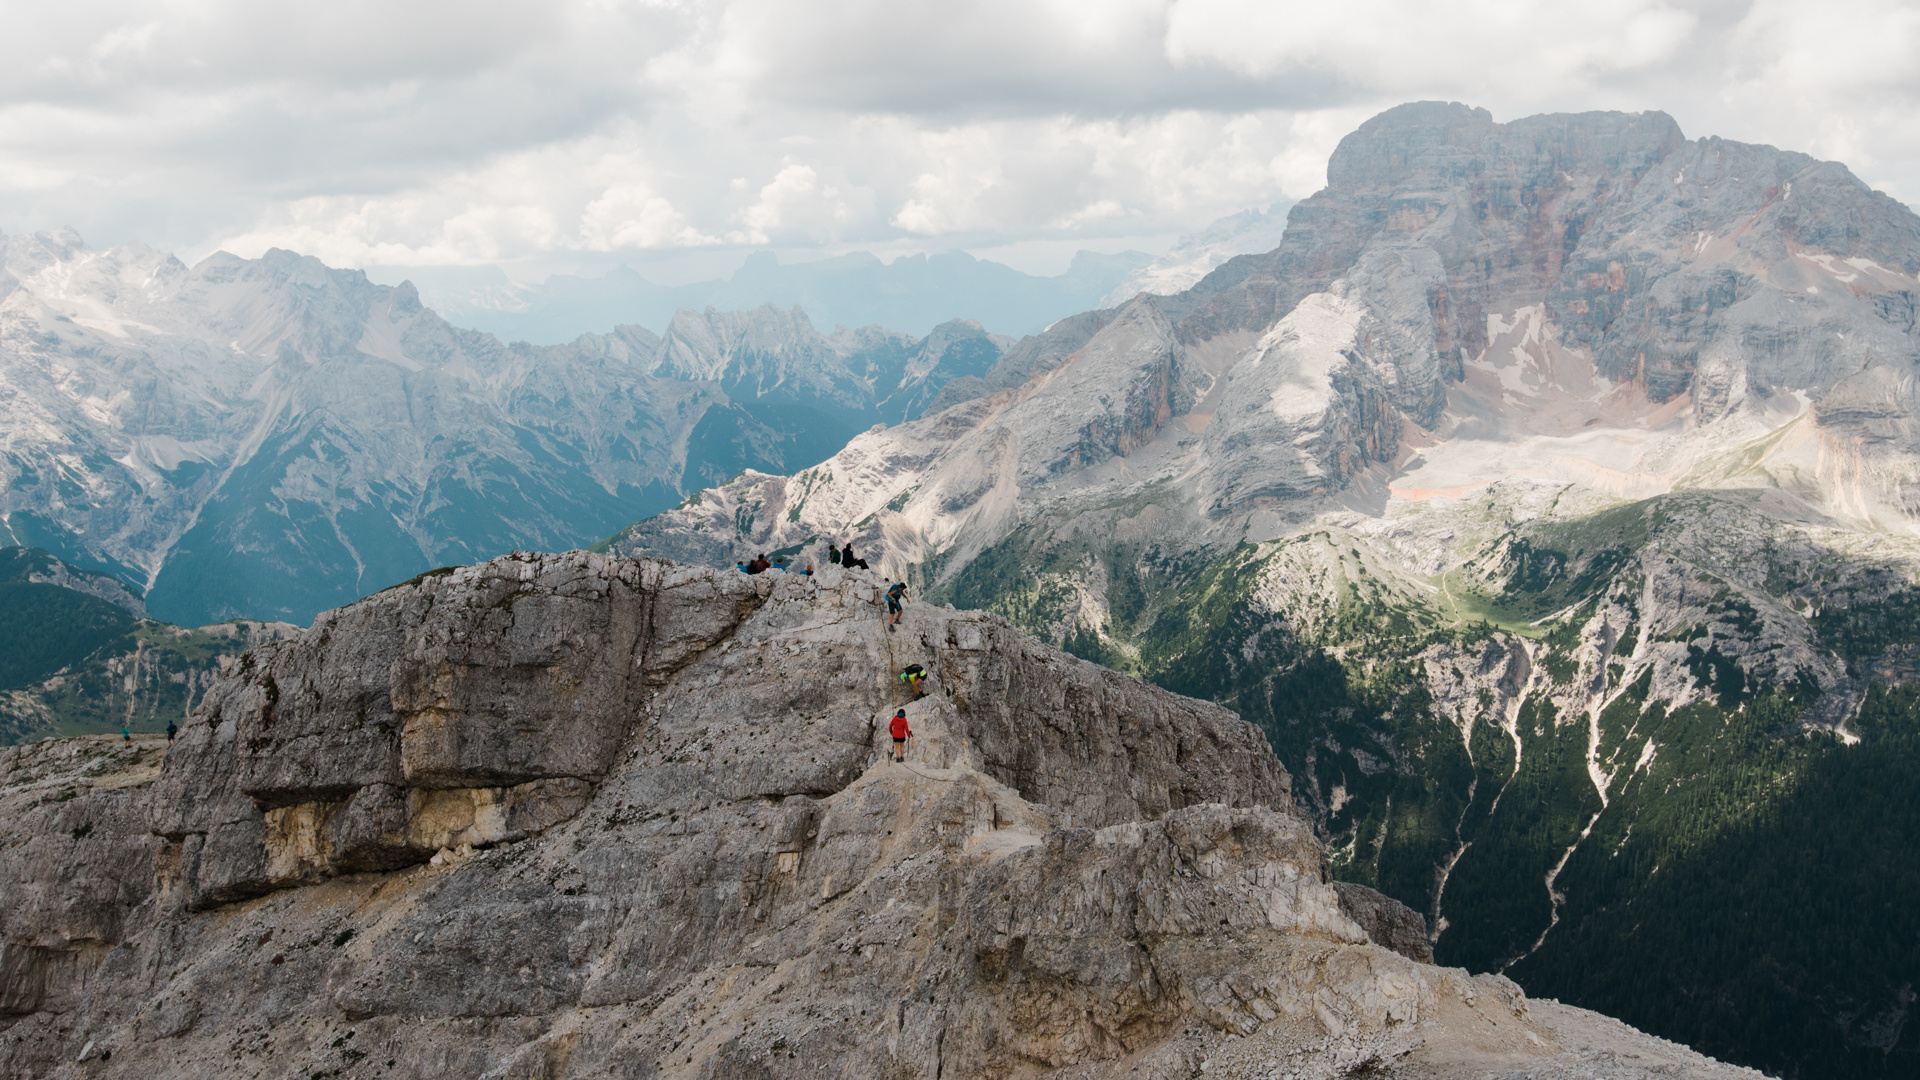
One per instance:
(1387, 921)
(583, 815)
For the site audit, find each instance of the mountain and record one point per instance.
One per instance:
(79, 655)
(575, 815)
(1545, 496)
(52, 615)
(913, 293)
(269, 438)
(1194, 256)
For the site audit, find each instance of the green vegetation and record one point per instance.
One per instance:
(44, 628)
(1863, 625)
(149, 675)
(79, 665)
(1762, 908)
(1745, 887)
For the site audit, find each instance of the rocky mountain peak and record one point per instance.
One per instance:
(583, 815)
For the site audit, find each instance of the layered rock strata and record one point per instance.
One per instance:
(591, 816)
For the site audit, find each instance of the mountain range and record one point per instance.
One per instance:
(1546, 496)
(268, 438)
(913, 293)
(79, 654)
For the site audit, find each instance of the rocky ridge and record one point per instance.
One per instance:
(589, 815)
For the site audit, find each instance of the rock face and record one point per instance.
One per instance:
(592, 816)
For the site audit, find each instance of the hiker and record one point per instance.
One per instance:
(901, 733)
(780, 564)
(743, 566)
(848, 560)
(833, 554)
(808, 572)
(759, 565)
(126, 736)
(896, 595)
(913, 676)
(171, 732)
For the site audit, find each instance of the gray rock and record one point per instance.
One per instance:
(1387, 921)
(654, 833)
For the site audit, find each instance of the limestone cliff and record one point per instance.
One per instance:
(580, 815)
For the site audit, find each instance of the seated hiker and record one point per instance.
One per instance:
(808, 572)
(848, 559)
(780, 564)
(743, 566)
(833, 554)
(759, 564)
(901, 733)
(896, 595)
(913, 676)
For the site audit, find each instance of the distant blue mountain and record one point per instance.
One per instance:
(912, 294)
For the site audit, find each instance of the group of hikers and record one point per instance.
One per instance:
(897, 599)
(759, 565)
(837, 555)
(126, 732)
(913, 676)
(844, 556)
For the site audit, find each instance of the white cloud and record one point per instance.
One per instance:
(798, 205)
(632, 216)
(1840, 80)
(1541, 47)
(510, 131)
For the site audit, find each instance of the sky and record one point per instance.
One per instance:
(678, 135)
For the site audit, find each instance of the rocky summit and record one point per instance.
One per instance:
(584, 815)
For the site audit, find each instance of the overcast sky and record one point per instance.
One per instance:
(562, 134)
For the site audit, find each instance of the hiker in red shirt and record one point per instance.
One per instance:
(901, 733)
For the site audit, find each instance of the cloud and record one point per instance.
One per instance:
(798, 205)
(521, 132)
(1540, 47)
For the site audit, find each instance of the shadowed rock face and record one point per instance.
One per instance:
(585, 816)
